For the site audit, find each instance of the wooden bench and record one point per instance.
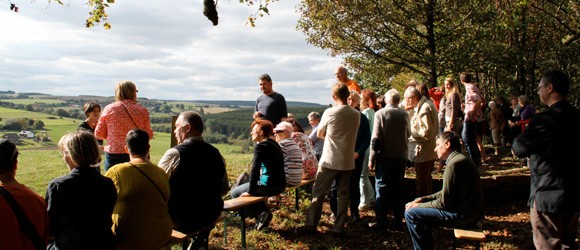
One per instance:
(475, 234)
(179, 237)
(235, 204)
(296, 189)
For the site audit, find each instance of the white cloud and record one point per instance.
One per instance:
(168, 48)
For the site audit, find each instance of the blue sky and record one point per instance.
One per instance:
(168, 48)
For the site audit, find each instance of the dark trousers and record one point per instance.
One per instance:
(353, 187)
(423, 178)
(390, 173)
(114, 159)
(554, 230)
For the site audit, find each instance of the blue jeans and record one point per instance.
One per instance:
(469, 136)
(421, 221)
(390, 173)
(114, 159)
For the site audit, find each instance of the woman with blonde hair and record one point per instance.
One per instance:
(117, 119)
(80, 204)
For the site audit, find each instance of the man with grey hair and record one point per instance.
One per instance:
(388, 156)
(197, 175)
(271, 105)
(424, 127)
(314, 120)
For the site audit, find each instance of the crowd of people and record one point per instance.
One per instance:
(137, 203)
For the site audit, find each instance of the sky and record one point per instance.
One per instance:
(169, 49)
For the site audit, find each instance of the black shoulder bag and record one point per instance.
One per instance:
(27, 227)
(152, 182)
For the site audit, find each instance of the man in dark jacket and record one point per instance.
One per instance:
(197, 178)
(459, 204)
(555, 190)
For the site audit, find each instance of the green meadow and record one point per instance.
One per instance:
(37, 166)
(39, 162)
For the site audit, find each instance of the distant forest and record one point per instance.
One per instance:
(235, 125)
(226, 127)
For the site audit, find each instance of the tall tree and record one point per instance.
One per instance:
(385, 37)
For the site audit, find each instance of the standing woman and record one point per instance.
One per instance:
(267, 177)
(369, 106)
(453, 113)
(117, 119)
(80, 204)
(93, 112)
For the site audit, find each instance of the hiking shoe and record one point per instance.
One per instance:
(338, 234)
(332, 217)
(353, 220)
(263, 220)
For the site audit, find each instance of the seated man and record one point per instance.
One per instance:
(12, 234)
(459, 204)
(140, 217)
(197, 179)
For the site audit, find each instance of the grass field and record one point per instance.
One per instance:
(32, 100)
(37, 166)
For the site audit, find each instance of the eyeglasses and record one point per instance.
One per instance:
(15, 154)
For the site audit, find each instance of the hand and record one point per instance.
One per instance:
(371, 166)
(244, 194)
(412, 204)
(356, 155)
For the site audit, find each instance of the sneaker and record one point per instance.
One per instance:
(332, 217)
(263, 220)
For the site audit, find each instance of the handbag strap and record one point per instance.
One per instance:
(27, 227)
(152, 182)
(127, 110)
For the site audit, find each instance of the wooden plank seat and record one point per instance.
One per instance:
(474, 234)
(179, 237)
(235, 204)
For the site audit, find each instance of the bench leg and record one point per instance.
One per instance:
(243, 218)
(296, 206)
(226, 230)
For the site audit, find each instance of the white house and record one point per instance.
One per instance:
(26, 134)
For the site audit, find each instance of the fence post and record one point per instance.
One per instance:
(173, 139)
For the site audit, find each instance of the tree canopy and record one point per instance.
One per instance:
(505, 43)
